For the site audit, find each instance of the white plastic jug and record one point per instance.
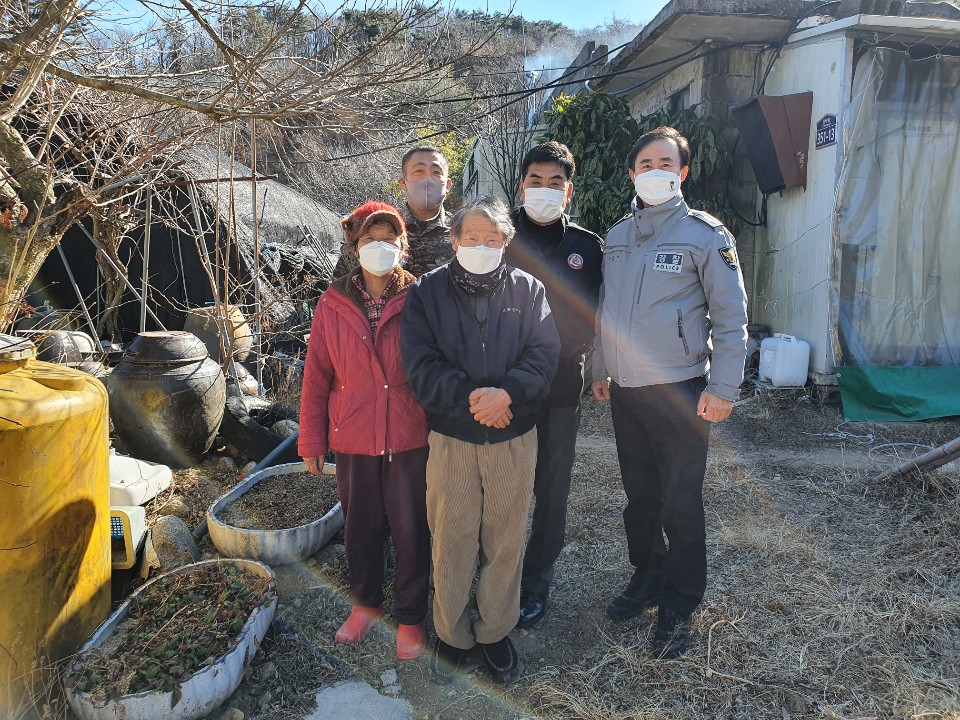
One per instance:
(784, 360)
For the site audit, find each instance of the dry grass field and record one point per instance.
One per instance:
(829, 596)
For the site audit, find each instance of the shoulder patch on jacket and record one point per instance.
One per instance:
(729, 255)
(706, 217)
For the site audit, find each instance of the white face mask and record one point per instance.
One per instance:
(543, 205)
(426, 194)
(655, 187)
(379, 258)
(479, 260)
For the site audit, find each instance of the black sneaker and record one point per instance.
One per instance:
(502, 660)
(633, 601)
(673, 634)
(445, 662)
(533, 607)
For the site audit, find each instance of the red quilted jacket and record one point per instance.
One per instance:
(356, 398)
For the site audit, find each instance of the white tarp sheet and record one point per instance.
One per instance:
(898, 220)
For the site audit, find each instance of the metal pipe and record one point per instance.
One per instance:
(256, 258)
(120, 272)
(145, 274)
(271, 456)
(76, 289)
(208, 181)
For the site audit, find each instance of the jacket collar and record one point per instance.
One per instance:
(345, 286)
(649, 219)
(540, 232)
(421, 226)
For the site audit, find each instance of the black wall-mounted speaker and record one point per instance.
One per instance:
(775, 133)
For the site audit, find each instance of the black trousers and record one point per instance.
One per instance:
(662, 448)
(377, 491)
(556, 441)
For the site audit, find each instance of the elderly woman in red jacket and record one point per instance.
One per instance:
(356, 401)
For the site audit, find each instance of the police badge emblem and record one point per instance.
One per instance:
(729, 255)
(575, 261)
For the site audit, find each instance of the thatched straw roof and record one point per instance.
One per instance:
(291, 226)
(283, 213)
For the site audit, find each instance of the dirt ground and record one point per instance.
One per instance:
(829, 595)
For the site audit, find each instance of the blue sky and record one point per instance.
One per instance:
(573, 13)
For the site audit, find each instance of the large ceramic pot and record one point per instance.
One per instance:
(63, 346)
(208, 324)
(167, 398)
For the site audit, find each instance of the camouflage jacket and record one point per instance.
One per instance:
(429, 242)
(429, 245)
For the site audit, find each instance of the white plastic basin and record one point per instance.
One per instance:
(206, 689)
(274, 547)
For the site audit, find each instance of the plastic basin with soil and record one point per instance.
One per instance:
(280, 515)
(176, 648)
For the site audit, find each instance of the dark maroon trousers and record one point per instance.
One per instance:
(386, 495)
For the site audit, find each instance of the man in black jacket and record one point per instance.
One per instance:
(566, 258)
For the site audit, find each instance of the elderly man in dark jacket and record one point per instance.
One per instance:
(480, 349)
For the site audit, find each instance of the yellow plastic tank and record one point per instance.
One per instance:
(54, 517)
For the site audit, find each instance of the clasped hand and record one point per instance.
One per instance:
(491, 407)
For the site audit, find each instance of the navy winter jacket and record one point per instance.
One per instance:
(566, 258)
(445, 359)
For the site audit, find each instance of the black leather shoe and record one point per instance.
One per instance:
(533, 606)
(631, 602)
(445, 662)
(673, 634)
(502, 660)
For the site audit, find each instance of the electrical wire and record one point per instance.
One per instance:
(783, 43)
(657, 77)
(872, 454)
(559, 82)
(839, 434)
(520, 95)
(761, 220)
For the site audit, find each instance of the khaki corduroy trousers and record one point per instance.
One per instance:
(478, 497)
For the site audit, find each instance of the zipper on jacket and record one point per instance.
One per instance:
(643, 270)
(483, 351)
(483, 343)
(683, 338)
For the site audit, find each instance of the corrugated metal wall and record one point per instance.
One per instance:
(792, 270)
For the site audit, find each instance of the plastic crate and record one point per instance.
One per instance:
(128, 529)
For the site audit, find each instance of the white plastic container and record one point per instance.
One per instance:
(136, 482)
(784, 361)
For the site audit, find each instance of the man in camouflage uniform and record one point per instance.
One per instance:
(425, 178)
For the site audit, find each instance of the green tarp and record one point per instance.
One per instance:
(890, 393)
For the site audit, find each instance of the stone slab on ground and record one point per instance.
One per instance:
(358, 701)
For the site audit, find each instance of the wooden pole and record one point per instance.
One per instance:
(948, 452)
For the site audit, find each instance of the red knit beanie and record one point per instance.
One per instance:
(366, 215)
